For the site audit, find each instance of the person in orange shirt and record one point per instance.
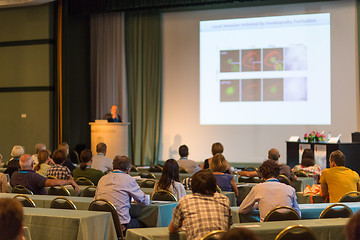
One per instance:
(338, 180)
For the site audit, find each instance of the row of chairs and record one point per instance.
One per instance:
(57, 191)
(64, 203)
(283, 213)
(295, 232)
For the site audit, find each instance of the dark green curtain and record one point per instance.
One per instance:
(143, 55)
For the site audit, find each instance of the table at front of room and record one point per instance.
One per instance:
(324, 229)
(156, 214)
(308, 211)
(60, 224)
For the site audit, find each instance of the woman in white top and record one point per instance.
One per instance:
(169, 180)
(44, 161)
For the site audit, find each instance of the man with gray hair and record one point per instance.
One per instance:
(38, 148)
(274, 155)
(101, 162)
(36, 183)
(119, 187)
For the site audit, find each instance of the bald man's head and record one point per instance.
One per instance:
(274, 154)
(26, 162)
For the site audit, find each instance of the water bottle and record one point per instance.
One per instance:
(236, 176)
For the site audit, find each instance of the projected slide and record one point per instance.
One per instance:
(269, 70)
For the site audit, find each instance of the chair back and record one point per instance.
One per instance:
(89, 191)
(147, 174)
(296, 232)
(155, 168)
(62, 203)
(106, 206)
(183, 170)
(284, 179)
(164, 195)
(351, 197)
(250, 169)
(149, 183)
(58, 191)
(337, 210)
(134, 168)
(21, 190)
(250, 179)
(84, 181)
(301, 174)
(214, 235)
(25, 200)
(282, 213)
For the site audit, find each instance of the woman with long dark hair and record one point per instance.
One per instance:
(169, 180)
(85, 169)
(308, 164)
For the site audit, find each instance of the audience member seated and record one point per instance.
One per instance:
(203, 211)
(36, 183)
(352, 228)
(85, 169)
(13, 164)
(67, 163)
(38, 148)
(101, 162)
(273, 155)
(58, 170)
(3, 183)
(190, 165)
(338, 180)
(119, 187)
(239, 233)
(215, 148)
(11, 219)
(169, 180)
(44, 160)
(225, 181)
(308, 164)
(269, 194)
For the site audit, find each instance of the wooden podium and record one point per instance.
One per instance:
(351, 151)
(114, 135)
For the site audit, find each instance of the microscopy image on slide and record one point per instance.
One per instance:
(251, 90)
(295, 89)
(273, 59)
(295, 58)
(230, 61)
(229, 91)
(273, 89)
(251, 60)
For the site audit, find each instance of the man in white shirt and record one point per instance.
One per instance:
(119, 187)
(101, 162)
(269, 194)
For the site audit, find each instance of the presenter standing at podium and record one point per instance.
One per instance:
(113, 116)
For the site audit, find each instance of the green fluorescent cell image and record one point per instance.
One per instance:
(230, 91)
(229, 61)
